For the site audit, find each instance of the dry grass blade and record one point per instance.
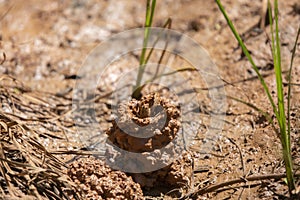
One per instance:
(27, 168)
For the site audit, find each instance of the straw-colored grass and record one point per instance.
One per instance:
(27, 169)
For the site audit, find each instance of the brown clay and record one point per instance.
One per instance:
(136, 116)
(155, 118)
(97, 180)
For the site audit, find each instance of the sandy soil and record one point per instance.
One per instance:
(46, 43)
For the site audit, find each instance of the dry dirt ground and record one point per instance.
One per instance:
(45, 44)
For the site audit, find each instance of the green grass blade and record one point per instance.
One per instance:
(278, 71)
(148, 23)
(152, 13)
(279, 110)
(284, 133)
(265, 114)
(289, 81)
(290, 78)
(247, 54)
(167, 24)
(171, 73)
(138, 88)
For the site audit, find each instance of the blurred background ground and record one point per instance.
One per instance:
(46, 42)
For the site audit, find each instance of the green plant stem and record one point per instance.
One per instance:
(278, 72)
(284, 133)
(290, 80)
(279, 110)
(149, 17)
(247, 54)
(167, 24)
(137, 90)
(265, 114)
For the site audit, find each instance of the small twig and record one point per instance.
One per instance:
(4, 58)
(240, 195)
(240, 152)
(263, 14)
(6, 12)
(77, 152)
(215, 187)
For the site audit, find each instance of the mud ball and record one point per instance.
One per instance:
(148, 131)
(178, 174)
(96, 180)
(145, 125)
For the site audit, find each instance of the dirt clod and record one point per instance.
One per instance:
(97, 180)
(157, 120)
(145, 125)
(178, 174)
